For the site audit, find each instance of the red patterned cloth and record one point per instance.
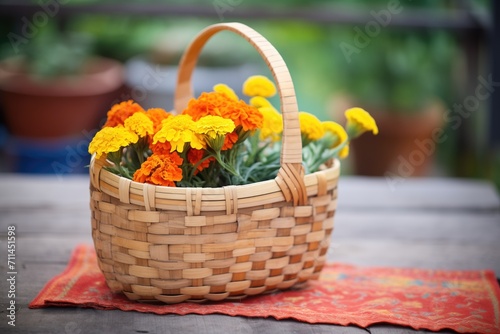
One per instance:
(465, 301)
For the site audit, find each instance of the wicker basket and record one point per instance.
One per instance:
(172, 244)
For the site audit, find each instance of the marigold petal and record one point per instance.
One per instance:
(177, 130)
(310, 126)
(157, 115)
(195, 156)
(337, 130)
(121, 111)
(140, 124)
(259, 102)
(225, 89)
(111, 139)
(161, 170)
(361, 121)
(259, 85)
(160, 148)
(344, 152)
(217, 104)
(213, 126)
(272, 126)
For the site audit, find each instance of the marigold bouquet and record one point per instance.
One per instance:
(218, 140)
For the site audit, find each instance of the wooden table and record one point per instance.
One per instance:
(425, 223)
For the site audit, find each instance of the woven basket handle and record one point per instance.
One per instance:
(291, 174)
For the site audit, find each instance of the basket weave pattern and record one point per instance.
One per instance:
(171, 245)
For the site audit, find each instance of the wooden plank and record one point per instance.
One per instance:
(421, 225)
(74, 221)
(441, 224)
(49, 249)
(28, 287)
(354, 192)
(419, 254)
(387, 329)
(26, 190)
(416, 193)
(80, 320)
(455, 240)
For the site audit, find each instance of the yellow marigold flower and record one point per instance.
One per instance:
(259, 85)
(226, 90)
(111, 139)
(214, 130)
(260, 102)
(344, 152)
(339, 134)
(197, 142)
(178, 130)
(310, 126)
(272, 126)
(140, 124)
(213, 126)
(360, 121)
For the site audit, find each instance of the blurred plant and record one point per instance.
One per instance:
(401, 72)
(163, 41)
(57, 54)
(119, 37)
(52, 53)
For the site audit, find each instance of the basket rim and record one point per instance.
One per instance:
(209, 198)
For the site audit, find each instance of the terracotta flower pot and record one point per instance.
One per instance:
(405, 145)
(60, 107)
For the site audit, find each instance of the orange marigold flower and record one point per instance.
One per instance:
(162, 170)
(249, 117)
(194, 156)
(121, 111)
(229, 141)
(160, 148)
(206, 104)
(219, 104)
(157, 115)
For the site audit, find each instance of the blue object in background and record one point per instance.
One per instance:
(61, 156)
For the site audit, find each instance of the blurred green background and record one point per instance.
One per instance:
(389, 57)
